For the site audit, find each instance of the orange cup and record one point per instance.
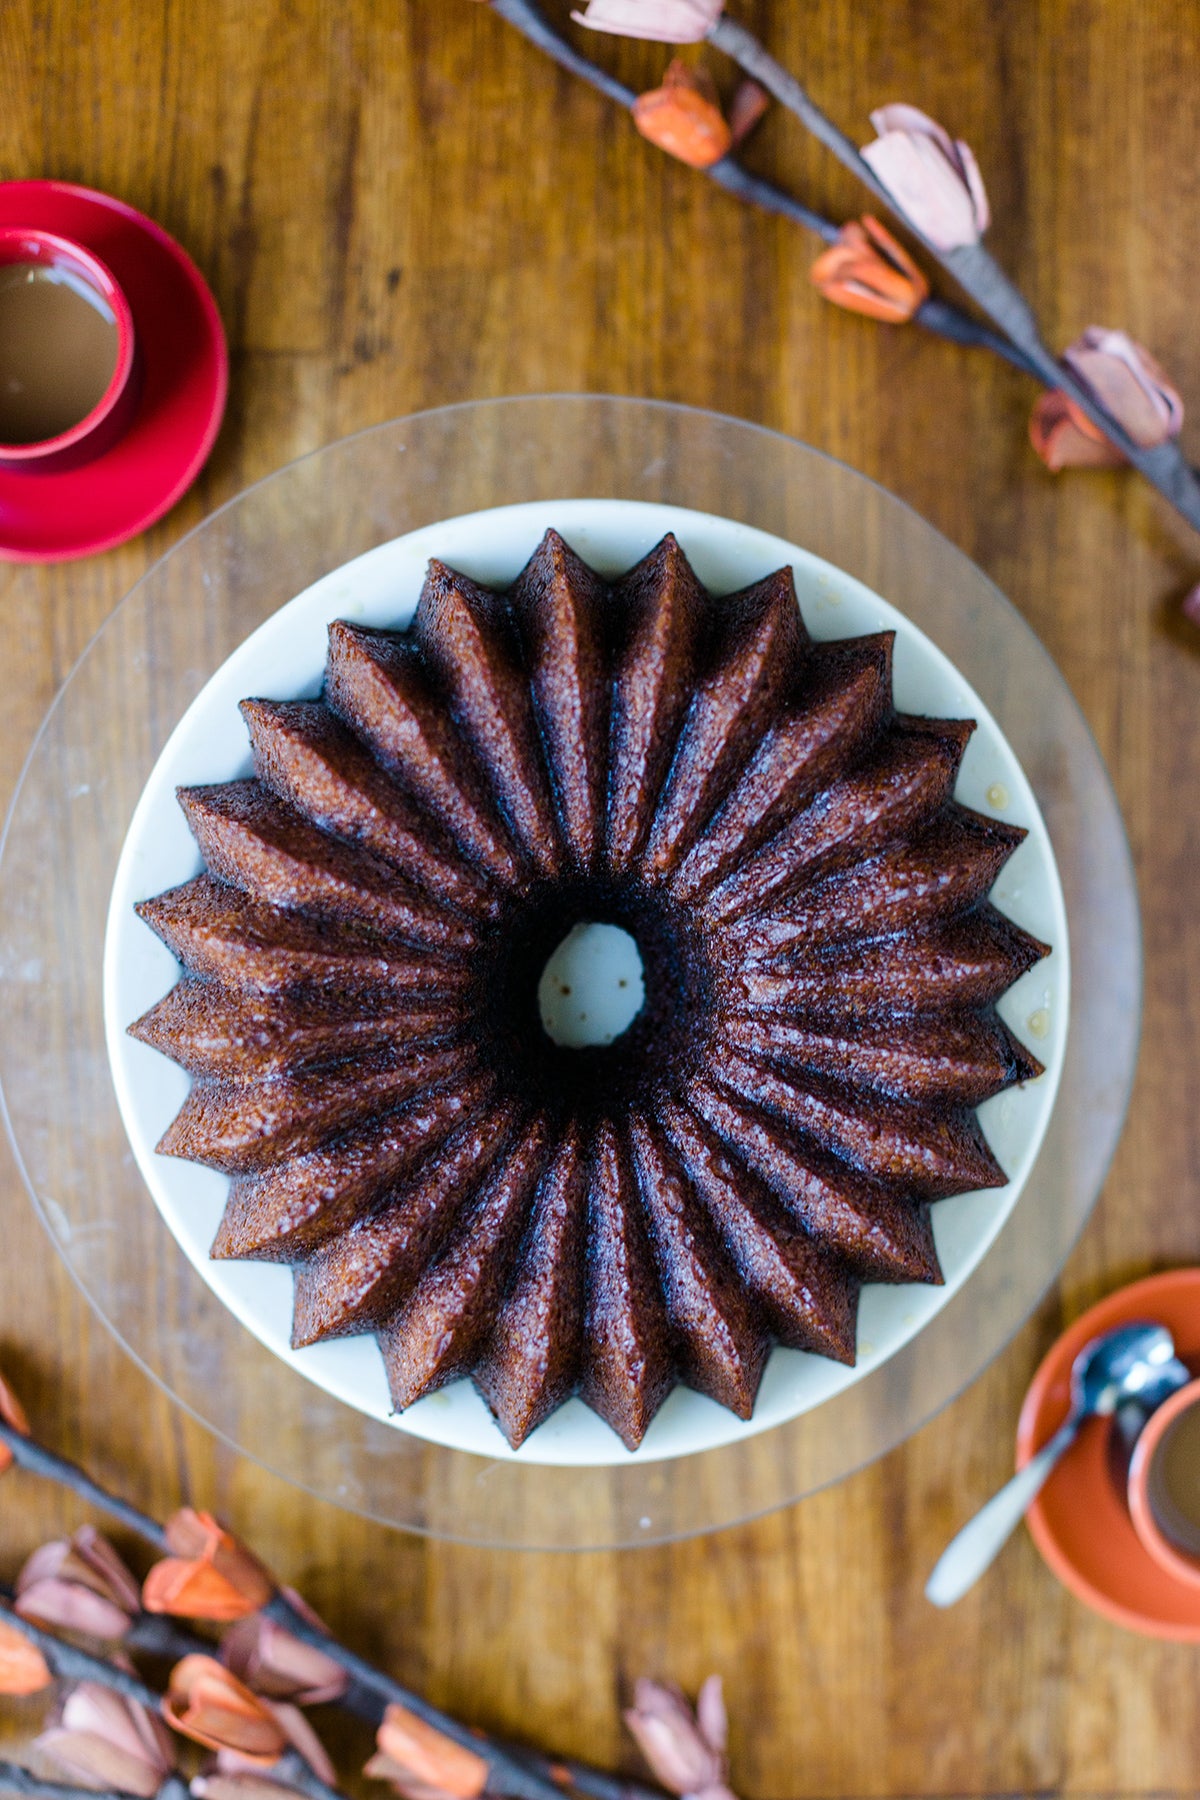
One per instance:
(1169, 1530)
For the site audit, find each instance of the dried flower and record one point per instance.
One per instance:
(1127, 381)
(299, 1736)
(273, 1662)
(422, 1762)
(13, 1414)
(933, 178)
(667, 21)
(749, 106)
(867, 271)
(210, 1575)
(243, 1786)
(79, 1584)
(212, 1707)
(102, 1740)
(23, 1668)
(684, 118)
(1062, 441)
(1129, 384)
(686, 1750)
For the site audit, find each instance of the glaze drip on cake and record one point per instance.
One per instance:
(362, 956)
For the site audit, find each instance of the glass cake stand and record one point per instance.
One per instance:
(93, 755)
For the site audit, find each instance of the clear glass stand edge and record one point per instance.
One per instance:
(91, 759)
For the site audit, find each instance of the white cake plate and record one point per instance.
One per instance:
(295, 534)
(285, 659)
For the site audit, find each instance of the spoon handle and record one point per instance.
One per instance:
(980, 1541)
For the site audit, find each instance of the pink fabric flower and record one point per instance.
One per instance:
(1128, 383)
(79, 1584)
(215, 1786)
(933, 178)
(1190, 604)
(102, 1740)
(271, 1661)
(666, 21)
(685, 1749)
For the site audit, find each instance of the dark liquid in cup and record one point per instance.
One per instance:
(1177, 1483)
(58, 350)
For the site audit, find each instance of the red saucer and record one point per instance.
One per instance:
(1080, 1521)
(185, 375)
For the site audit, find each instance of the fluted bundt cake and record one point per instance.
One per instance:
(359, 1007)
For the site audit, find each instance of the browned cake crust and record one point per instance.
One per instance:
(361, 957)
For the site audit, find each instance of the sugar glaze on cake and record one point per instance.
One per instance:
(362, 956)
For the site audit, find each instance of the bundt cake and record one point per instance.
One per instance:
(362, 956)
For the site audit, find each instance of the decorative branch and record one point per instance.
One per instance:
(523, 1774)
(938, 316)
(975, 270)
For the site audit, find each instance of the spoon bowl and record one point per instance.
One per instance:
(1133, 1362)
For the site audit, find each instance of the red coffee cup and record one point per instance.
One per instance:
(104, 421)
(1169, 1531)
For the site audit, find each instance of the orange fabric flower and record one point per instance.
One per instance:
(867, 271)
(1065, 438)
(210, 1576)
(23, 1668)
(684, 118)
(13, 1414)
(206, 1703)
(421, 1761)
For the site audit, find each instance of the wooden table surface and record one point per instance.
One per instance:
(399, 204)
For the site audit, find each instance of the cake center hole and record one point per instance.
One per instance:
(592, 988)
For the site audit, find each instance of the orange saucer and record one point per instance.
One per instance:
(1080, 1521)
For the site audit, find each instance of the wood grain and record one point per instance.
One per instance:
(399, 205)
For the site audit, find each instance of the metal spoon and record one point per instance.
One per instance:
(1131, 1417)
(1131, 1362)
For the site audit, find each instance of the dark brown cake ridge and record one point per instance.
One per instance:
(358, 1007)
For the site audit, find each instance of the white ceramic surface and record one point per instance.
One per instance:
(284, 659)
